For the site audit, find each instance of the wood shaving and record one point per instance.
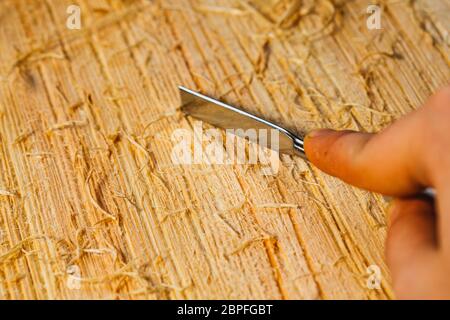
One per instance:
(93, 201)
(17, 249)
(221, 10)
(23, 136)
(248, 243)
(8, 193)
(67, 125)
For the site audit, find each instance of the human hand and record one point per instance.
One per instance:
(402, 161)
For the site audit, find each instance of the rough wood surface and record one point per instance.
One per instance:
(86, 116)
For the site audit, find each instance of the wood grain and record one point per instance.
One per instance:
(86, 116)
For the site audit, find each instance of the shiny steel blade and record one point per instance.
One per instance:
(225, 116)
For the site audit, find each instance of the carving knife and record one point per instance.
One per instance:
(225, 116)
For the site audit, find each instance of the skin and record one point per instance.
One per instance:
(401, 161)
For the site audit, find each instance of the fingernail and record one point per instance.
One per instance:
(318, 133)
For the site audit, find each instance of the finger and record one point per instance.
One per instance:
(390, 162)
(411, 238)
(400, 161)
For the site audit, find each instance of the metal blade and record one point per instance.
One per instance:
(225, 116)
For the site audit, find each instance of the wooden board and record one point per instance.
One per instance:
(91, 204)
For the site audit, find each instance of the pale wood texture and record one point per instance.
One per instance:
(86, 176)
